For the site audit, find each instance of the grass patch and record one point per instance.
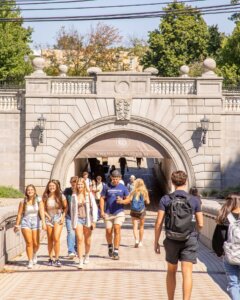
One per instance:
(10, 192)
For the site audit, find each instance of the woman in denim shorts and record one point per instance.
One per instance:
(84, 214)
(55, 205)
(28, 216)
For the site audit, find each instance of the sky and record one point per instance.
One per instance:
(44, 34)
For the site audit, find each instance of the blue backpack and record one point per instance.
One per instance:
(137, 204)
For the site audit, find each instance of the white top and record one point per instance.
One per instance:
(32, 210)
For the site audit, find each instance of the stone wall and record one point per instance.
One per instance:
(12, 138)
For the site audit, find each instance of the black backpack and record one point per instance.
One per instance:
(179, 218)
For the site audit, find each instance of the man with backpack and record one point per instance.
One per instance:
(183, 219)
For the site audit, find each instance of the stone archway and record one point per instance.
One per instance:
(147, 128)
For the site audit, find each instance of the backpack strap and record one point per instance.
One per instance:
(231, 218)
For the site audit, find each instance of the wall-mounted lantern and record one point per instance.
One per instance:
(41, 125)
(204, 125)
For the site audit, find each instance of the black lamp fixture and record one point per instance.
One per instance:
(41, 125)
(204, 125)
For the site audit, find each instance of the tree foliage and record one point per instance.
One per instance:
(14, 45)
(181, 39)
(83, 51)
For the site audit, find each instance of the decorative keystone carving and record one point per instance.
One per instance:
(38, 64)
(123, 109)
(63, 70)
(151, 70)
(184, 70)
(209, 65)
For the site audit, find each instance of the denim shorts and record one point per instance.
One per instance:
(81, 221)
(32, 223)
(54, 220)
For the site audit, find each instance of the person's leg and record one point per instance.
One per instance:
(233, 278)
(141, 229)
(27, 234)
(56, 239)
(187, 279)
(70, 236)
(135, 231)
(36, 243)
(117, 235)
(79, 236)
(50, 241)
(171, 280)
(87, 232)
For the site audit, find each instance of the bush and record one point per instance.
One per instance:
(10, 192)
(220, 194)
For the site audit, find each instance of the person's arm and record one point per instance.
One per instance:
(127, 200)
(146, 199)
(19, 217)
(94, 211)
(101, 204)
(42, 215)
(158, 230)
(65, 208)
(199, 219)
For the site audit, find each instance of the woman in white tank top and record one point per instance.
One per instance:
(28, 216)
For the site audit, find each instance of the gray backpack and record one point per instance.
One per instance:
(232, 245)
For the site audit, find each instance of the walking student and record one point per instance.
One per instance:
(55, 205)
(226, 242)
(181, 242)
(28, 220)
(114, 215)
(71, 238)
(138, 197)
(84, 214)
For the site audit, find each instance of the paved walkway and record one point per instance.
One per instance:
(139, 274)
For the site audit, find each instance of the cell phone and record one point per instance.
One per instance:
(91, 227)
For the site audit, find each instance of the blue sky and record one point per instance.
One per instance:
(45, 33)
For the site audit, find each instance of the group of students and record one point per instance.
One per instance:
(181, 212)
(80, 206)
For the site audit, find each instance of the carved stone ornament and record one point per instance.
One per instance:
(123, 109)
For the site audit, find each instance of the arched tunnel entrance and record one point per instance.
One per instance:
(154, 164)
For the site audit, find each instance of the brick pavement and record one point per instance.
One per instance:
(139, 274)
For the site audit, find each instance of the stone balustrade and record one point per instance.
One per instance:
(69, 86)
(11, 244)
(8, 102)
(231, 104)
(177, 86)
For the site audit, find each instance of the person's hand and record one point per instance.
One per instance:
(93, 226)
(157, 248)
(44, 227)
(102, 214)
(16, 228)
(62, 220)
(119, 200)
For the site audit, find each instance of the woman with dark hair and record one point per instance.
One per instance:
(84, 214)
(228, 215)
(194, 191)
(55, 206)
(28, 216)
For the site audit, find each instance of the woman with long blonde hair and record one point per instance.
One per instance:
(138, 198)
(55, 205)
(84, 213)
(28, 219)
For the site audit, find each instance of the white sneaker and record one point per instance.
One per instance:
(80, 265)
(71, 255)
(30, 264)
(35, 259)
(140, 244)
(86, 260)
(136, 244)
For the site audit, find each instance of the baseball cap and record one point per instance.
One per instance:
(116, 173)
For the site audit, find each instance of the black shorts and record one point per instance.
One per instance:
(181, 251)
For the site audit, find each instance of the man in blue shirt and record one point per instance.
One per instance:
(176, 250)
(114, 214)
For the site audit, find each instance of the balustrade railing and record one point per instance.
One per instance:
(68, 86)
(173, 87)
(8, 103)
(231, 104)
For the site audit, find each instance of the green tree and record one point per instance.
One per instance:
(235, 16)
(14, 45)
(182, 38)
(215, 41)
(229, 58)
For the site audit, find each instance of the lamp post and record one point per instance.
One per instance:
(41, 125)
(204, 125)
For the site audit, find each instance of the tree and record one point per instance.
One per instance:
(182, 38)
(14, 45)
(229, 57)
(215, 41)
(94, 49)
(235, 16)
